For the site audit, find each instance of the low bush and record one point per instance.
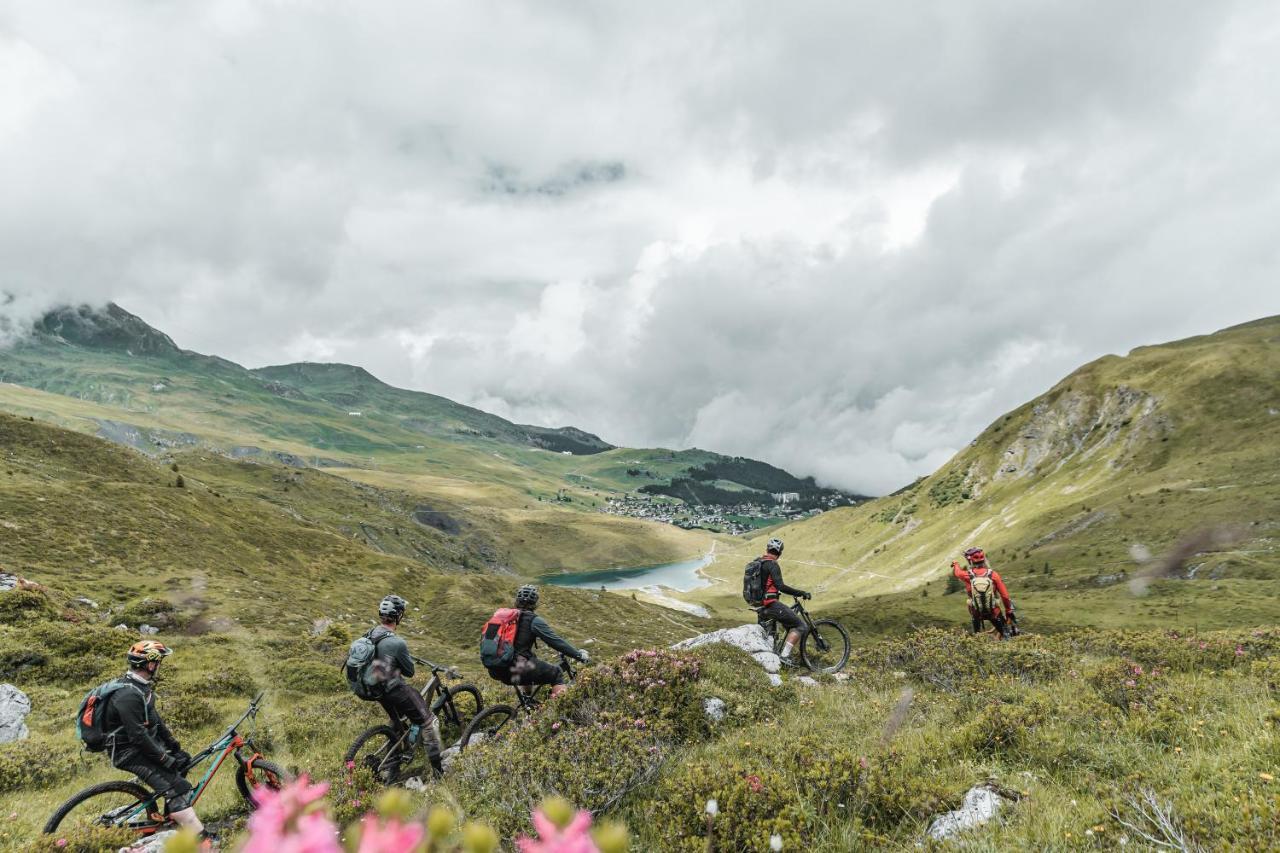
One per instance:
(20, 606)
(156, 612)
(186, 712)
(753, 803)
(36, 763)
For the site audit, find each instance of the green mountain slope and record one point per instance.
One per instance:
(1125, 456)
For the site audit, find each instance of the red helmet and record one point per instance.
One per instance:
(976, 557)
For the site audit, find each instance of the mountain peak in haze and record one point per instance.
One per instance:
(109, 328)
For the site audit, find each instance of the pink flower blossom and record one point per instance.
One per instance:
(61, 842)
(1239, 651)
(285, 821)
(389, 837)
(574, 838)
(351, 765)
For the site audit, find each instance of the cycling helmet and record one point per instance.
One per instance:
(774, 547)
(392, 607)
(976, 557)
(144, 652)
(527, 597)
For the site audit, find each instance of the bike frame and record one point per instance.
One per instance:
(230, 743)
(530, 701)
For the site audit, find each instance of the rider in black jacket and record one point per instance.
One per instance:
(774, 588)
(140, 743)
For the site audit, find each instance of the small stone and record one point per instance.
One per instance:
(122, 627)
(841, 676)
(85, 602)
(768, 660)
(14, 707)
(148, 630)
(979, 806)
(775, 679)
(413, 783)
(154, 844)
(807, 681)
(714, 709)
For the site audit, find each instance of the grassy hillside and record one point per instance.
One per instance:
(259, 573)
(1124, 457)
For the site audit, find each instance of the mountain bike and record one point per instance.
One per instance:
(131, 805)
(825, 648)
(382, 747)
(491, 722)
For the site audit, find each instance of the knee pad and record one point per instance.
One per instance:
(179, 797)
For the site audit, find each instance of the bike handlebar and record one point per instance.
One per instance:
(437, 667)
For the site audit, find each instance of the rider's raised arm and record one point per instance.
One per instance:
(543, 632)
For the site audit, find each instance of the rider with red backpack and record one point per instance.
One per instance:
(507, 639)
(762, 586)
(986, 592)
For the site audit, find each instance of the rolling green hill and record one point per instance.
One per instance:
(259, 571)
(1127, 455)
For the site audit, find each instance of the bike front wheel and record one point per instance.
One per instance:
(262, 775)
(455, 711)
(488, 725)
(107, 804)
(826, 647)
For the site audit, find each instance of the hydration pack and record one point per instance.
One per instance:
(753, 582)
(982, 593)
(359, 669)
(498, 638)
(91, 719)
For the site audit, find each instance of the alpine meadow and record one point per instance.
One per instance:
(718, 427)
(1131, 509)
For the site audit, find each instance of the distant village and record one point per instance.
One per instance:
(735, 519)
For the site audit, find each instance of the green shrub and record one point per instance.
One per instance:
(229, 678)
(151, 611)
(24, 605)
(312, 724)
(186, 713)
(36, 763)
(309, 676)
(754, 803)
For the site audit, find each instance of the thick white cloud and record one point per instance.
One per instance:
(838, 236)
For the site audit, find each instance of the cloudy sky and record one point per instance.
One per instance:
(842, 237)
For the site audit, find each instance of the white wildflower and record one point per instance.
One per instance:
(775, 843)
(713, 808)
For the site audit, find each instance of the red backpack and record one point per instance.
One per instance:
(498, 638)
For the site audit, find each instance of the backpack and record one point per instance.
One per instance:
(498, 638)
(361, 678)
(982, 593)
(753, 582)
(91, 719)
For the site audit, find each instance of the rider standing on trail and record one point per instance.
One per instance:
(526, 669)
(394, 665)
(983, 584)
(772, 608)
(140, 743)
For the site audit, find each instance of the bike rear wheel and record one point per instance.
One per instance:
(265, 775)
(105, 804)
(488, 724)
(826, 647)
(374, 749)
(464, 703)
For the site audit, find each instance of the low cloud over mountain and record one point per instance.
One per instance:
(841, 241)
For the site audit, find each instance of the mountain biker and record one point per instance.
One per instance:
(526, 671)
(140, 742)
(393, 665)
(774, 588)
(976, 568)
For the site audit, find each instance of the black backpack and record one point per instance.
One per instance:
(91, 719)
(753, 582)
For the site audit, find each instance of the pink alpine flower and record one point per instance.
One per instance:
(285, 822)
(389, 837)
(574, 838)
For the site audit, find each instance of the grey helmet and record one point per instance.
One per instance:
(774, 546)
(392, 607)
(527, 597)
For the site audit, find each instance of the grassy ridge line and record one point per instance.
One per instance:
(1124, 452)
(506, 526)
